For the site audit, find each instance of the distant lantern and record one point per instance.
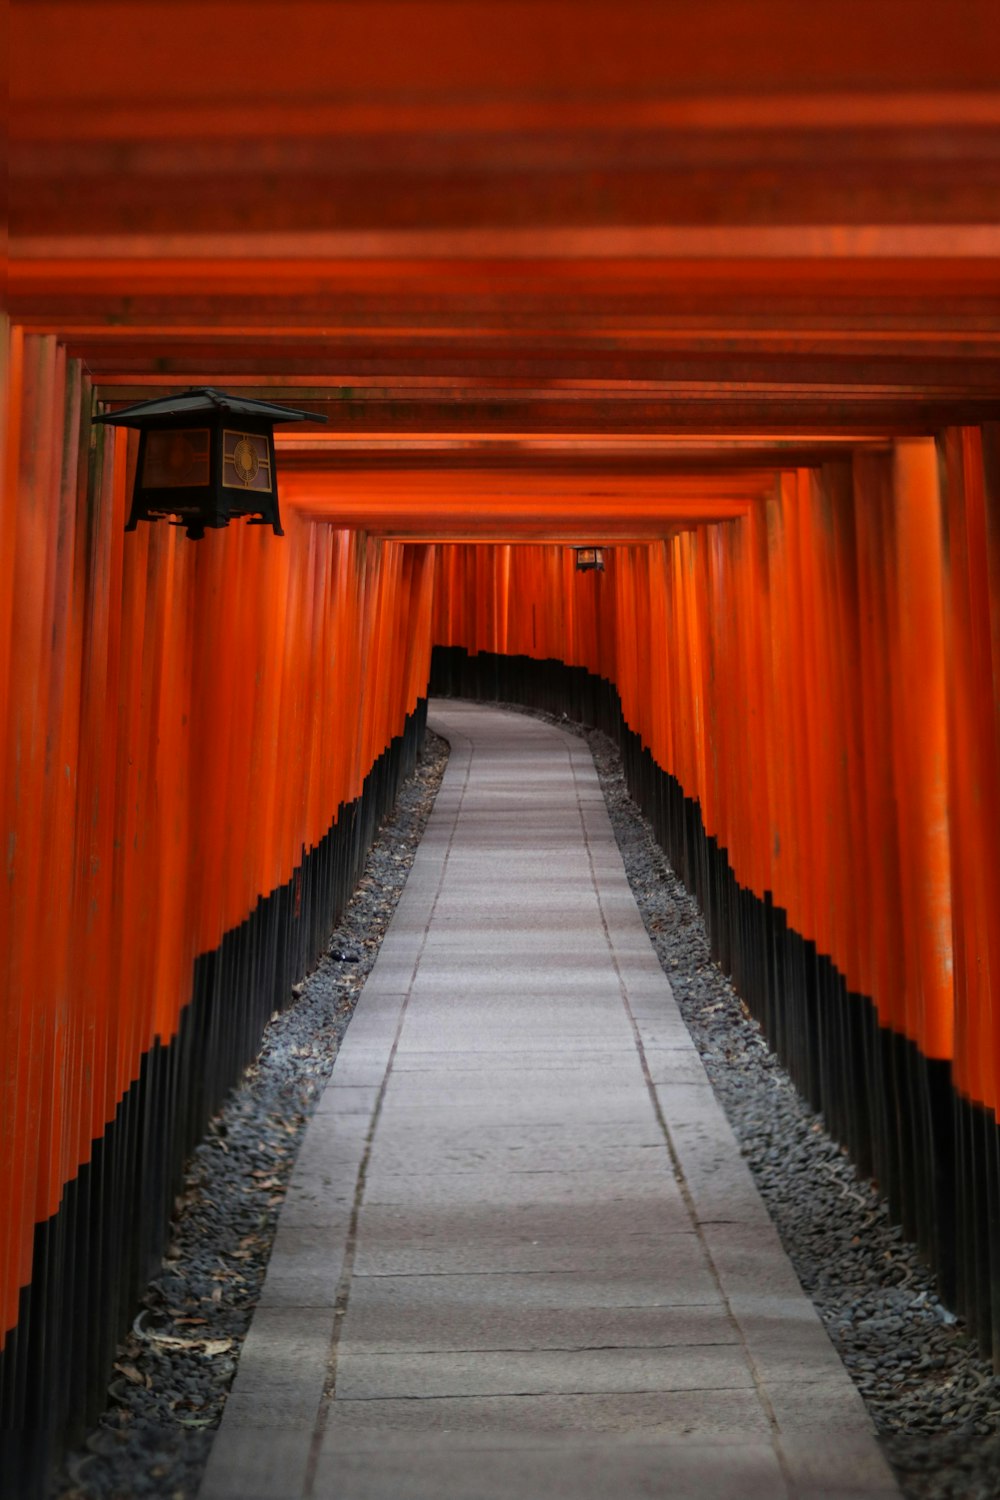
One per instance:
(590, 559)
(206, 458)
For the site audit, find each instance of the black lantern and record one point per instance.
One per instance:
(589, 559)
(207, 458)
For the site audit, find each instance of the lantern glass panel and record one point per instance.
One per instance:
(246, 461)
(177, 459)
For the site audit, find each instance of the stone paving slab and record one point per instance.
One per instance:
(540, 1311)
(434, 1034)
(412, 1111)
(535, 1140)
(397, 1243)
(521, 1255)
(542, 1372)
(584, 1058)
(696, 1472)
(394, 1157)
(494, 1038)
(625, 1190)
(563, 1419)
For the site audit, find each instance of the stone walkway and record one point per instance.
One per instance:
(521, 1257)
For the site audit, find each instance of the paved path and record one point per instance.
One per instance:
(521, 1256)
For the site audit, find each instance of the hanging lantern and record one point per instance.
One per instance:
(589, 559)
(206, 458)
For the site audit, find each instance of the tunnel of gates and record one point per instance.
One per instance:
(715, 285)
(201, 740)
(807, 701)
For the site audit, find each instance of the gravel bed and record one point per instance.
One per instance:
(934, 1400)
(174, 1369)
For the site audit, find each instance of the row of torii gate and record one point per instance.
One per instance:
(713, 286)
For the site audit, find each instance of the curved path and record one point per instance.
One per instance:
(521, 1256)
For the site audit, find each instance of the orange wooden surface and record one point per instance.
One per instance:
(973, 509)
(183, 723)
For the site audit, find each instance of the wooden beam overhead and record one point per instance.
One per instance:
(521, 239)
(383, 55)
(477, 504)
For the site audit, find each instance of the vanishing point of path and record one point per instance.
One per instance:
(521, 1256)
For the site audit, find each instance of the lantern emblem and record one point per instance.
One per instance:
(202, 467)
(245, 460)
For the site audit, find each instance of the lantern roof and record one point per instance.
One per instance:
(200, 401)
